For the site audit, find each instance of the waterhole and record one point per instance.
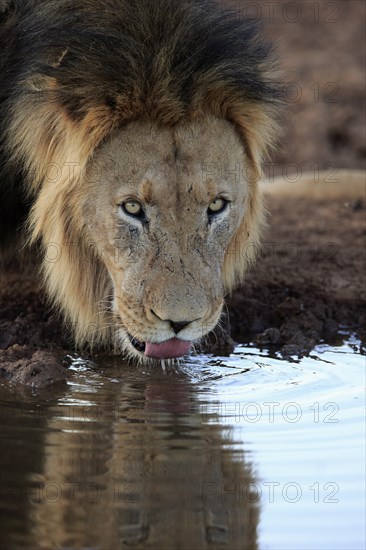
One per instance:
(248, 451)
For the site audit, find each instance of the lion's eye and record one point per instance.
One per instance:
(216, 206)
(133, 208)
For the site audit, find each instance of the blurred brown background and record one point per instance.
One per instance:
(321, 47)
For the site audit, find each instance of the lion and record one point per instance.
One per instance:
(132, 140)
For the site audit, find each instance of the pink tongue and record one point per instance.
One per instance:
(167, 350)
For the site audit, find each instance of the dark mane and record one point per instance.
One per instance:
(143, 55)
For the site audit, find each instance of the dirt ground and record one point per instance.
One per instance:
(309, 282)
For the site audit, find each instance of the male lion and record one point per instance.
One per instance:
(132, 136)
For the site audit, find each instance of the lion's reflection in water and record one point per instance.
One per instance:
(142, 462)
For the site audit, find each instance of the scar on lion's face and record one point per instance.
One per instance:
(162, 206)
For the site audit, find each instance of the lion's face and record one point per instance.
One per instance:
(161, 206)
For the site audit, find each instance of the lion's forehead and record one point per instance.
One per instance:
(192, 163)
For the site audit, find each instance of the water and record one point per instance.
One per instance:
(247, 452)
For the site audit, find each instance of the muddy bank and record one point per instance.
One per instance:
(308, 283)
(32, 341)
(32, 367)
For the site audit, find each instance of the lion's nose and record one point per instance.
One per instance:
(178, 326)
